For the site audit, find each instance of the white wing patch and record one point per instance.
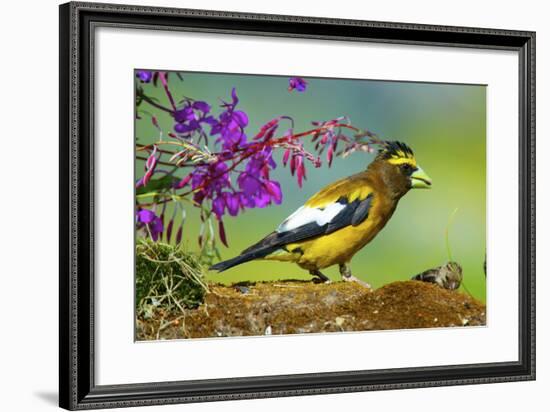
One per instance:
(305, 215)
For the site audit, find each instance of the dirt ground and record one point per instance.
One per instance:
(287, 307)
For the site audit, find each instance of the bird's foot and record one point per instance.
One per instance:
(345, 271)
(319, 277)
(352, 278)
(320, 280)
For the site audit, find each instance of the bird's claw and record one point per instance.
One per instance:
(354, 279)
(320, 280)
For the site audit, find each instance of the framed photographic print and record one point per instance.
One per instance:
(254, 205)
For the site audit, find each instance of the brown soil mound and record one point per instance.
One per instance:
(287, 307)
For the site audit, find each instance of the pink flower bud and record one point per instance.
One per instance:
(155, 122)
(292, 164)
(221, 230)
(286, 156)
(300, 170)
(152, 159)
(183, 182)
(179, 235)
(330, 153)
(169, 230)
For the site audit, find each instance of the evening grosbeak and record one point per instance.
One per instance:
(339, 220)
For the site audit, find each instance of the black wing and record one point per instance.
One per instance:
(352, 214)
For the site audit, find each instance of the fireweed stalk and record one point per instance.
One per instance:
(234, 177)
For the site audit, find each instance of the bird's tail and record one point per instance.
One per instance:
(246, 256)
(226, 264)
(258, 250)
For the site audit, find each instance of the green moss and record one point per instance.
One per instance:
(167, 277)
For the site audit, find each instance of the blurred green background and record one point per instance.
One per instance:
(443, 123)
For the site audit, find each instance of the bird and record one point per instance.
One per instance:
(342, 218)
(448, 276)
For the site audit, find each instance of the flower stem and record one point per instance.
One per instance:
(155, 104)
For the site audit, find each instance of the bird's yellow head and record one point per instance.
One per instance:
(398, 168)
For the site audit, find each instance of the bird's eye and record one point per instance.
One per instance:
(407, 169)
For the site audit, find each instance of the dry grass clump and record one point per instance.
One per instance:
(168, 278)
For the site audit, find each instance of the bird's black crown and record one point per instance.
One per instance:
(391, 149)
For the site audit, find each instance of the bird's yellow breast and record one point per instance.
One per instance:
(340, 246)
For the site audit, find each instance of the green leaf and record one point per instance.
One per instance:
(157, 185)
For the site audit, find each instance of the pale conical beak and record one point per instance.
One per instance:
(420, 180)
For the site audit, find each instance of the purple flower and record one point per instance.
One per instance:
(232, 201)
(262, 199)
(231, 124)
(144, 75)
(208, 181)
(226, 201)
(154, 224)
(189, 118)
(257, 190)
(231, 129)
(202, 106)
(297, 83)
(218, 206)
(184, 114)
(249, 184)
(274, 189)
(187, 128)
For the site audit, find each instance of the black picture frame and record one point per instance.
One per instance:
(77, 388)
